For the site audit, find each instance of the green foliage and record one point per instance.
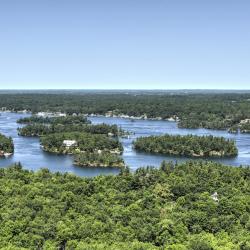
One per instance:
(63, 120)
(104, 159)
(170, 208)
(214, 111)
(85, 143)
(6, 145)
(37, 129)
(189, 145)
(245, 127)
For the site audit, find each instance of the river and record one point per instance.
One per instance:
(32, 157)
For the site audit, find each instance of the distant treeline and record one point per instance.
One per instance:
(188, 145)
(214, 111)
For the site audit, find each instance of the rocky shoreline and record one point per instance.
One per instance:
(142, 117)
(107, 115)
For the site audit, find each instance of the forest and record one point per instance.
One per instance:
(37, 129)
(245, 127)
(63, 120)
(171, 208)
(6, 145)
(213, 111)
(95, 159)
(188, 145)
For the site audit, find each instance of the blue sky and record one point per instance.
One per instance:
(127, 44)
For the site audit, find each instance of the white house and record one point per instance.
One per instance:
(69, 143)
(214, 196)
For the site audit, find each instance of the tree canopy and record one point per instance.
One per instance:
(6, 145)
(85, 142)
(168, 208)
(188, 145)
(213, 111)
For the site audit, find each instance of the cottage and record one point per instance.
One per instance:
(69, 143)
(214, 196)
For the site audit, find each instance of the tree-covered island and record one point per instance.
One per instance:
(77, 142)
(63, 120)
(37, 129)
(39, 126)
(6, 145)
(96, 159)
(188, 145)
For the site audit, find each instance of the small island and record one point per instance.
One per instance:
(96, 159)
(6, 146)
(36, 126)
(37, 129)
(188, 145)
(77, 142)
(64, 120)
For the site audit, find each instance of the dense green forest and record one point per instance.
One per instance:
(63, 120)
(189, 145)
(95, 159)
(85, 142)
(171, 208)
(6, 145)
(37, 129)
(245, 127)
(217, 111)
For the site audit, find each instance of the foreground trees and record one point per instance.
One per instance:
(167, 208)
(6, 145)
(189, 145)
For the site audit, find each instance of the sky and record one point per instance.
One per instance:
(124, 44)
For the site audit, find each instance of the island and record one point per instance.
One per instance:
(100, 159)
(188, 145)
(38, 129)
(39, 126)
(64, 120)
(77, 142)
(6, 146)
(92, 145)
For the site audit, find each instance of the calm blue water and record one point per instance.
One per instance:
(29, 153)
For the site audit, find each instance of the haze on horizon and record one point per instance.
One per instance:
(132, 44)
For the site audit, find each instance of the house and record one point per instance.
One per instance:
(214, 196)
(69, 143)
